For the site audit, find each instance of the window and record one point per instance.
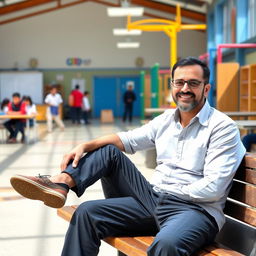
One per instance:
(251, 18)
(229, 22)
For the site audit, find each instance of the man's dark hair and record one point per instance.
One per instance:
(16, 94)
(77, 86)
(189, 61)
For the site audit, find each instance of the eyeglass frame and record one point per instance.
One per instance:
(188, 83)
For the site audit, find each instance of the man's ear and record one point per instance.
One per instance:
(207, 88)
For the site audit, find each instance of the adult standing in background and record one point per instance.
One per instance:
(77, 96)
(129, 98)
(86, 107)
(53, 100)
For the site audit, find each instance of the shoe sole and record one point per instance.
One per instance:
(35, 191)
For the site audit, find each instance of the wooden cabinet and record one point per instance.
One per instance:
(244, 88)
(252, 88)
(236, 87)
(248, 88)
(227, 86)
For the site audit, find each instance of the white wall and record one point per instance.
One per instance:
(85, 31)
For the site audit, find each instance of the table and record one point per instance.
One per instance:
(26, 117)
(155, 110)
(244, 114)
(248, 125)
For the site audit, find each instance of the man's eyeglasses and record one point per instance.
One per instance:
(193, 83)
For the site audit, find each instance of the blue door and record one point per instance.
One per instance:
(108, 94)
(104, 94)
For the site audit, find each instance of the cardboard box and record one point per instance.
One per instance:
(106, 116)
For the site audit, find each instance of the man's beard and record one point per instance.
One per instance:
(188, 106)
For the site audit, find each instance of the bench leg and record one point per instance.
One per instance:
(120, 254)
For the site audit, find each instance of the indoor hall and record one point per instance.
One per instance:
(46, 44)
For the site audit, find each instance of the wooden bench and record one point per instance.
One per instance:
(237, 237)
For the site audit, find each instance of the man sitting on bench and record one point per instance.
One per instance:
(198, 152)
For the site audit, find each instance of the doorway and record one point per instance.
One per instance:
(108, 94)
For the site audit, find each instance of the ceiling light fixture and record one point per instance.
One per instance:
(125, 10)
(128, 45)
(126, 32)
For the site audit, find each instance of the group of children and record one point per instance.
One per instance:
(17, 106)
(25, 106)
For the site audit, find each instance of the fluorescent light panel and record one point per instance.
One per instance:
(13, 1)
(128, 45)
(126, 32)
(125, 11)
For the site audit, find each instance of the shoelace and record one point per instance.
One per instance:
(43, 176)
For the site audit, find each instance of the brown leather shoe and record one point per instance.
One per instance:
(40, 188)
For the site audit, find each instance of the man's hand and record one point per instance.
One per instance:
(75, 155)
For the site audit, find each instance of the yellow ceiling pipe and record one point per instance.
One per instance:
(169, 27)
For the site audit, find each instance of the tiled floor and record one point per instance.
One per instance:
(28, 227)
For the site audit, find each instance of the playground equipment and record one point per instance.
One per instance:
(155, 89)
(169, 27)
(220, 46)
(149, 89)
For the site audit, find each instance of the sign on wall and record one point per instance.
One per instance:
(78, 62)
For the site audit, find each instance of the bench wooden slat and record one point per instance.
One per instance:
(66, 212)
(203, 253)
(147, 240)
(247, 175)
(245, 214)
(219, 250)
(244, 193)
(128, 245)
(249, 160)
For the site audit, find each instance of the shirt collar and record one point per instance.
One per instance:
(202, 115)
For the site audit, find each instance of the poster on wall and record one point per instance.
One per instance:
(80, 82)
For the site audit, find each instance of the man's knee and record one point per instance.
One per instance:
(86, 209)
(167, 246)
(111, 148)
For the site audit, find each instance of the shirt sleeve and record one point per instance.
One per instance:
(141, 138)
(223, 158)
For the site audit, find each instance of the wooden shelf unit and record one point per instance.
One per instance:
(248, 88)
(227, 87)
(244, 88)
(252, 88)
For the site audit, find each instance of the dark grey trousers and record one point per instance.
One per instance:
(133, 208)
